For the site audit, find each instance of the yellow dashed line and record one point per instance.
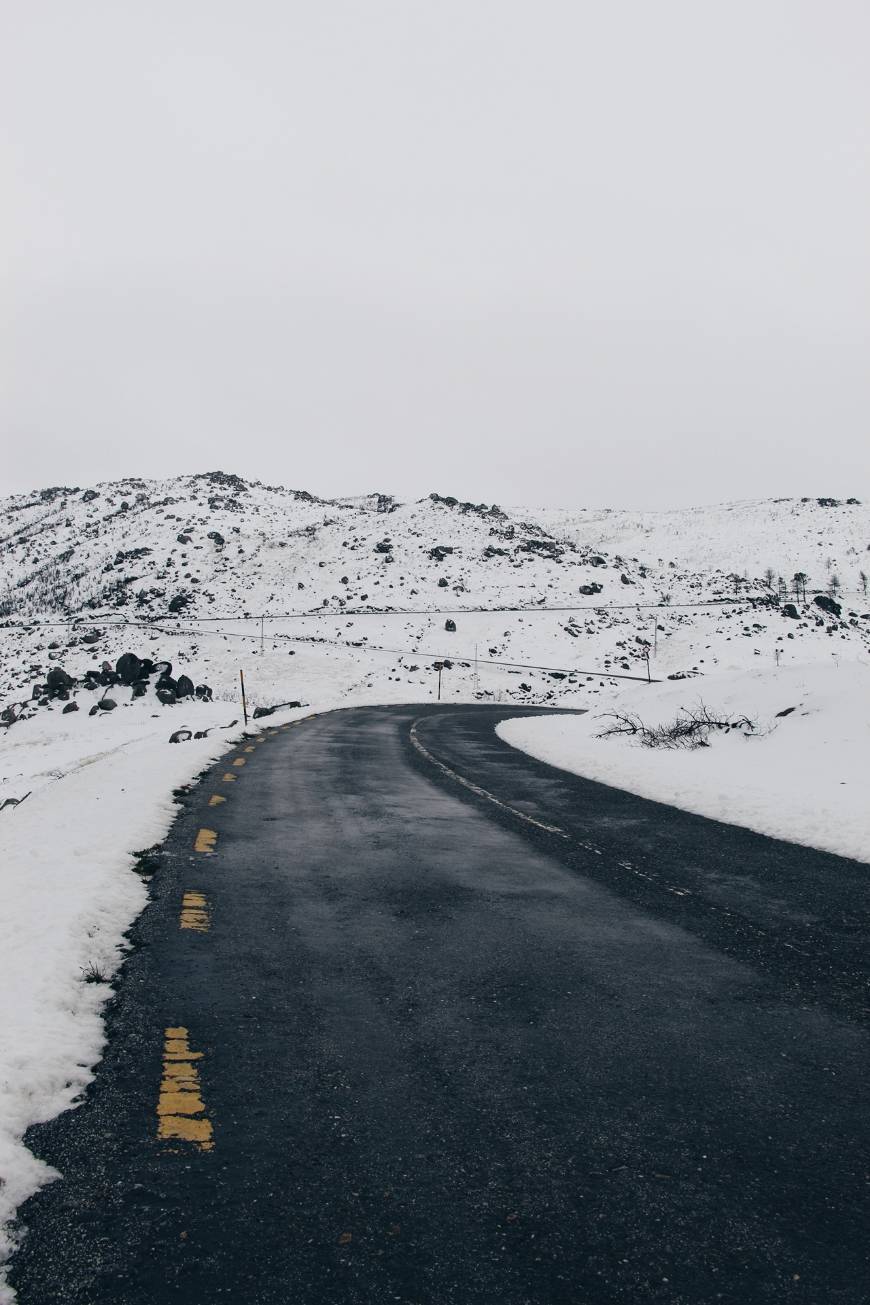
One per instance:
(251, 749)
(216, 798)
(180, 1109)
(239, 761)
(230, 778)
(205, 841)
(194, 913)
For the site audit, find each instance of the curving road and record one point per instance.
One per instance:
(427, 1021)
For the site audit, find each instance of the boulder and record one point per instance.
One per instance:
(184, 687)
(128, 668)
(57, 680)
(827, 604)
(107, 704)
(791, 611)
(70, 706)
(450, 626)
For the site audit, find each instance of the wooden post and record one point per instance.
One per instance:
(244, 701)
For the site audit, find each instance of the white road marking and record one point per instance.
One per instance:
(482, 792)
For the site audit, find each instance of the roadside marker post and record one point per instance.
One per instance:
(244, 702)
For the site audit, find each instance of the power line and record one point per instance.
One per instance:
(335, 613)
(371, 647)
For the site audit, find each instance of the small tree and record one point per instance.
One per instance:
(800, 579)
(769, 576)
(862, 576)
(834, 586)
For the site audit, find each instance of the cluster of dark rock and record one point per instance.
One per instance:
(129, 671)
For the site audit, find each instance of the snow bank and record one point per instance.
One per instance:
(802, 778)
(101, 789)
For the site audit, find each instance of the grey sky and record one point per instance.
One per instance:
(554, 251)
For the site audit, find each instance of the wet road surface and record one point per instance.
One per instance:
(522, 1040)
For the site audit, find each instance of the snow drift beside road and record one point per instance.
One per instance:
(802, 777)
(68, 894)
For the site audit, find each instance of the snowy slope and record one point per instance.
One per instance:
(819, 536)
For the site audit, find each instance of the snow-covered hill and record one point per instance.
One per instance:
(820, 537)
(375, 582)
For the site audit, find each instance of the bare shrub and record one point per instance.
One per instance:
(691, 728)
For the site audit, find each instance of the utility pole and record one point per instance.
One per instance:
(244, 702)
(476, 679)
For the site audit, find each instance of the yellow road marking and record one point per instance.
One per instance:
(195, 913)
(216, 799)
(230, 778)
(180, 1108)
(251, 749)
(239, 761)
(205, 841)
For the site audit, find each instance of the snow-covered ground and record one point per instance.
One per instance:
(800, 777)
(358, 598)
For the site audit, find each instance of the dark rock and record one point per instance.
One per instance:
(597, 561)
(89, 495)
(180, 736)
(128, 668)
(184, 687)
(592, 588)
(179, 602)
(442, 583)
(107, 704)
(450, 626)
(93, 636)
(788, 711)
(140, 688)
(217, 537)
(70, 706)
(204, 692)
(182, 539)
(791, 611)
(166, 696)
(94, 711)
(626, 580)
(827, 604)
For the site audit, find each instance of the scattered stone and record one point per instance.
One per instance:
(70, 706)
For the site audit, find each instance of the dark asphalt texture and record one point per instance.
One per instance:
(454, 1059)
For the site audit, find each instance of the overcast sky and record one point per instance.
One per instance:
(556, 252)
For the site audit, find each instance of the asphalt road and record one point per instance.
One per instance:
(545, 1044)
